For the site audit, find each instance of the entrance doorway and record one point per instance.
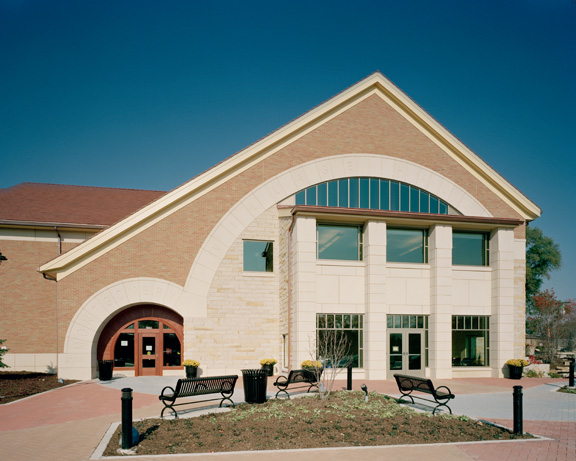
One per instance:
(406, 349)
(145, 340)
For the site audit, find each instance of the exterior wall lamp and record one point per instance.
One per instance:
(2, 258)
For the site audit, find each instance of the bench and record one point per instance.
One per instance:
(191, 387)
(306, 378)
(409, 384)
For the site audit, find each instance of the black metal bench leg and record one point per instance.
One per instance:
(441, 405)
(282, 390)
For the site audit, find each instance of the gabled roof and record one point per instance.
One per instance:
(374, 84)
(70, 206)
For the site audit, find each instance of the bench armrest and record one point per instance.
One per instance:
(167, 396)
(282, 380)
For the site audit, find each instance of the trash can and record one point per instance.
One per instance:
(255, 382)
(105, 368)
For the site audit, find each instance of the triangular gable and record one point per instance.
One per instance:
(374, 84)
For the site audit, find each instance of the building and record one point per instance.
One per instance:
(364, 216)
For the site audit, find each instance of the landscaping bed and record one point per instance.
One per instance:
(345, 419)
(15, 385)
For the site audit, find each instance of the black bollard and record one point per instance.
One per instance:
(349, 383)
(518, 410)
(126, 418)
(571, 374)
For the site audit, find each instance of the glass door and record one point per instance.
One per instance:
(405, 352)
(150, 362)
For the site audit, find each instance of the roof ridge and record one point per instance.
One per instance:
(82, 186)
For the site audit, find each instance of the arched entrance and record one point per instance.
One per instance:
(145, 339)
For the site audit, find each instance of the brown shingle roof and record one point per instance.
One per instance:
(81, 205)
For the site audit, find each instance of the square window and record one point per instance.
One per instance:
(339, 242)
(258, 256)
(470, 248)
(406, 245)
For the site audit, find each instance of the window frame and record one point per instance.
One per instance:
(268, 259)
(330, 324)
(424, 244)
(476, 324)
(485, 251)
(359, 241)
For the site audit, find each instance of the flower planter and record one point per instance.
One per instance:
(269, 369)
(514, 372)
(191, 372)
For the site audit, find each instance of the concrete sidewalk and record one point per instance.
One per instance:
(69, 423)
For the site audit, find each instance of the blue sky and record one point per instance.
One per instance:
(146, 95)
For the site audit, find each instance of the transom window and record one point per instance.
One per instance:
(373, 194)
(407, 245)
(339, 242)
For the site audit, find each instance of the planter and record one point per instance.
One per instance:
(515, 372)
(191, 372)
(269, 369)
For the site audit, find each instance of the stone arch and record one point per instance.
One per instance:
(79, 357)
(293, 180)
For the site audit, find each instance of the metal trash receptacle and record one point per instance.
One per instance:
(105, 368)
(255, 382)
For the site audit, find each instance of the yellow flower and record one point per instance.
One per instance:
(311, 364)
(268, 362)
(517, 363)
(191, 363)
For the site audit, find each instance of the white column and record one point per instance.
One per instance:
(502, 318)
(441, 308)
(375, 353)
(303, 248)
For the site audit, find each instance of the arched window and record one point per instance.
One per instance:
(373, 194)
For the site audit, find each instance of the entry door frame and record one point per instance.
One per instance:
(406, 352)
(156, 354)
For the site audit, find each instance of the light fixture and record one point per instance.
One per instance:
(2, 258)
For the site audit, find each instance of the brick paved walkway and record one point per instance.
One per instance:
(69, 423)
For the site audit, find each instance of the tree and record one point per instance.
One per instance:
(2, 352)
(551, 320)
(332, 349)
(542, 256)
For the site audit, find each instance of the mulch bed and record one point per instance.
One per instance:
(15, 385)
(343, 420)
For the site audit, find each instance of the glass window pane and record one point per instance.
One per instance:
(338, 321)
(321, 321)
(364, 193)
(433, 205)
(343, 193)
(130, 327)
(374, 194)
(424, 202)
(405, 245)
(301, 198)
(148, 324)
(311, 196)
(405, 323)
(258, 256)
(404, 197)
(354, 190)
(468, 248)
(384, 195)
(397, 321)
(414, 200)
(390, 321)
(394, 196)
(443, 207)
(172, 350)
(124, 350)
(330, 321)
(420, 321)
(347, 321)
(412, 321)
(333, 193)
(338, 242)
(322, 194)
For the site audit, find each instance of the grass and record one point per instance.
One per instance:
(343, 420)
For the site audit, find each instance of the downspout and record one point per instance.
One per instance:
(59, 241)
